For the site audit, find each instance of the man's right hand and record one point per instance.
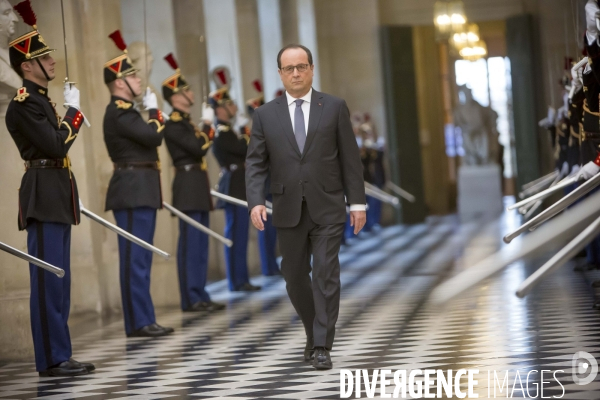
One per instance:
(258, 215)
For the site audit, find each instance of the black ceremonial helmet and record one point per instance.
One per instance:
(120, 66)
(29, 46)
(174, 83)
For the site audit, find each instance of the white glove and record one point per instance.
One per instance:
(208, 114)
(71, 94)
(591, 13)
(564, 171)
(587, 171)
(575, 169)
(149, 101)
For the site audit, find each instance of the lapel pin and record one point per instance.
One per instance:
(320, 104)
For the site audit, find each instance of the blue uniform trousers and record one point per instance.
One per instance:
(266, 245)
(135, 263)
(373, 213)
(236, 229)
(192, 260)
(50, 298)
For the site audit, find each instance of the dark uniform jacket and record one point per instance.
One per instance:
(590, 138)
(132, 145)
(188, 146)
(575, 115)
(230, 149)
(46, 194)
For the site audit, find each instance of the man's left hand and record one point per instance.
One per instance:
(358, 220)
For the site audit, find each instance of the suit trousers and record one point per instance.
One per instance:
(135, 263)
(192, 260)
(316, 301)
(50, 298)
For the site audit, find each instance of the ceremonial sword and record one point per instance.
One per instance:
(33, 260)
(122, 232)
(62, 10)
(197, 225)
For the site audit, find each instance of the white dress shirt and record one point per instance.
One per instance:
(306, 111)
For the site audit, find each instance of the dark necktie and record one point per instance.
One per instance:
(299, 128)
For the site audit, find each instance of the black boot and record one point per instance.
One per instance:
(322, 359)
(88, 366)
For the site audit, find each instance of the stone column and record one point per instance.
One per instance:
(271, 42)
(190, 37)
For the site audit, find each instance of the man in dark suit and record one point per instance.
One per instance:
(304, 139)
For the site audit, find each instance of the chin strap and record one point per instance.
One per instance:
(191, 103)
(130, 89)
(43, 69)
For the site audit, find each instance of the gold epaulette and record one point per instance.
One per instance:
(123, 104)
(223, 128)
(176, 117)
(21, 94)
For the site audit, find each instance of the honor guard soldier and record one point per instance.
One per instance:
(48, 198)
(267, 238)
(590, 134)
(188, 146)
(229, 148)
(134, 191)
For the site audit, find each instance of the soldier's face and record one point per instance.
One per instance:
(135, 83)
(295, 82)
(33, 69)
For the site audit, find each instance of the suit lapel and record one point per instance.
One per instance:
(283, 113)
(316, 109)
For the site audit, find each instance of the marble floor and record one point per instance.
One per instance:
(253, 350)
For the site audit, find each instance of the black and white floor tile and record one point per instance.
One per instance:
(253, 350)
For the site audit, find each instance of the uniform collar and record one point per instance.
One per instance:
(306, 97)
(181, 113)
(114, 98)
(219, 122)
(33, 87)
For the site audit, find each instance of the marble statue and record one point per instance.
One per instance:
(142, 58)
(478, 126)
(10, 81)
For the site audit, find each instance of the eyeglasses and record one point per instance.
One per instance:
(290, 68)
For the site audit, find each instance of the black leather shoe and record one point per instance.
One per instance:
(166, 328)
(205, 306)
(88, 366)
(247, 287)
(65, 368)
(153, 330)
(309, 355)
(322, 359)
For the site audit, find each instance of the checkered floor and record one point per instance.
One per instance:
(254, 349)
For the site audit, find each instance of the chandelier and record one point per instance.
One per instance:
(448, 17)
(451, 26)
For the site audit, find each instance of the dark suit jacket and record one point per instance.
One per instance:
(328, 168)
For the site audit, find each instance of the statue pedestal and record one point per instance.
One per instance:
(479, 191)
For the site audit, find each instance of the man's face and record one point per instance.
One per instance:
(34, 69)
(294, 80)
(183, 98)
(7, 19)
(135, 83)
(231, 107)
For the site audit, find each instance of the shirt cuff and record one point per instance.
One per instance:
(358, 207)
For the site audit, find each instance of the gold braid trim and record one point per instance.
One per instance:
(158, 124)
